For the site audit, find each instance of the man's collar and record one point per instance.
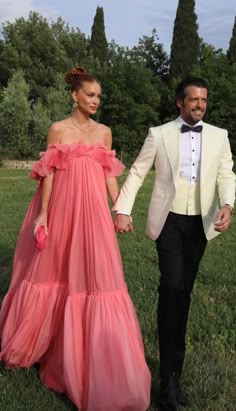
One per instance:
(180, 121)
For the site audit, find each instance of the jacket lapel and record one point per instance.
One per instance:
(171, 141)
(207, 148)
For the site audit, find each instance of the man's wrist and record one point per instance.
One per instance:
(122, 213)
(230, 208)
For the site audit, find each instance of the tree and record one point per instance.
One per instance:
(130, 103)
(221, 77)
(8, 62)
(58, 100)
(40, 50)
(152, 53)
(98, 43)
(39, 128)
(37, 52)
(72, 41)
(231, 54)
(185, 47)
(15, 118)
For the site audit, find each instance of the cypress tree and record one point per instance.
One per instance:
(98, 44)
(231, 53)
(185, 47)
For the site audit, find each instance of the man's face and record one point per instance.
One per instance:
(194, 105)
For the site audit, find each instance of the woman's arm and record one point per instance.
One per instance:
(47, 184)
(112, 188)
(113, 191)
(111, 182)
(41, 219)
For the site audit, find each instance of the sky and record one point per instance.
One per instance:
(128, 20)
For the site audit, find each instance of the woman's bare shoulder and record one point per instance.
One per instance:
(56, 131)
(103, 128)
(103, 133)
(106, 135)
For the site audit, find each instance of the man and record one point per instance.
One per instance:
(192, 202)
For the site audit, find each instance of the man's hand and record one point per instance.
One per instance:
(123, 223)
(223, 219)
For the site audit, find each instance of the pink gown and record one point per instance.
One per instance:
(67, 307)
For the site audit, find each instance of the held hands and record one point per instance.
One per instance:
(123, 223)
(223, 219)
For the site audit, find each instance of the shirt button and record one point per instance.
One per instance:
(193, 164)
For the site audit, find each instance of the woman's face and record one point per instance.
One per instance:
(88, 97)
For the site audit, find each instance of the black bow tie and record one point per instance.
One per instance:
(185, 128)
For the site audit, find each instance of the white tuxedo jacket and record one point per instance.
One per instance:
(162, 148)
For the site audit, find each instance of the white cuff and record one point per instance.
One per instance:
(122, 212)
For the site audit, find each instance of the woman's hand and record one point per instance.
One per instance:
(123, 223)
(41, 220)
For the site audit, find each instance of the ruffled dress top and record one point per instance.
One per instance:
(68, 307)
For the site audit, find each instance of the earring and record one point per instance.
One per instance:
(75, 105)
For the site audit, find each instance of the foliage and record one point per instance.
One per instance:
(15, 117)
(138, 84)
(221, 76)
(39, 127)
(24, 125)
(39, 50)
(72, 42)
(131, 101)
(58, 99)
(232, 46)
(98, 44)
(57, 105)
(152, 53)
(185, 42)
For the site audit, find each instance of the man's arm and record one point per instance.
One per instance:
(136, 176)
(226, 176)
(226, 188)
(124, 204)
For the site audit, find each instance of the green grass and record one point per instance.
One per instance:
(210, 367)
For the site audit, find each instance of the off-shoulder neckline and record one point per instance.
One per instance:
(79, 142)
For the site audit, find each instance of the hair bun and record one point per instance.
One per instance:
(75, 72)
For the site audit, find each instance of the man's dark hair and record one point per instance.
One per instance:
(181, 89)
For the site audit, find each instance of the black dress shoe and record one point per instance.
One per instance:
(180, 395)
(168, 399)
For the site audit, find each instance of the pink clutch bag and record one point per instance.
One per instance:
(40, 237)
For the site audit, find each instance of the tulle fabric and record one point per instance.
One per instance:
(67, 307)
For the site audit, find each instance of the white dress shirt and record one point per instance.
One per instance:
(190, 153)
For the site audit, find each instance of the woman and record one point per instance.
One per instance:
(67, 307)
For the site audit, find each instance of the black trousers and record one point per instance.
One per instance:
(180, 247)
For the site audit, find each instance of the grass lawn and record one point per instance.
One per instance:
(210, 367)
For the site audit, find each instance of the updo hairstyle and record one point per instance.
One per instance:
(77, 76)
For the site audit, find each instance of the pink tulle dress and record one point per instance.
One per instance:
(67, 307)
